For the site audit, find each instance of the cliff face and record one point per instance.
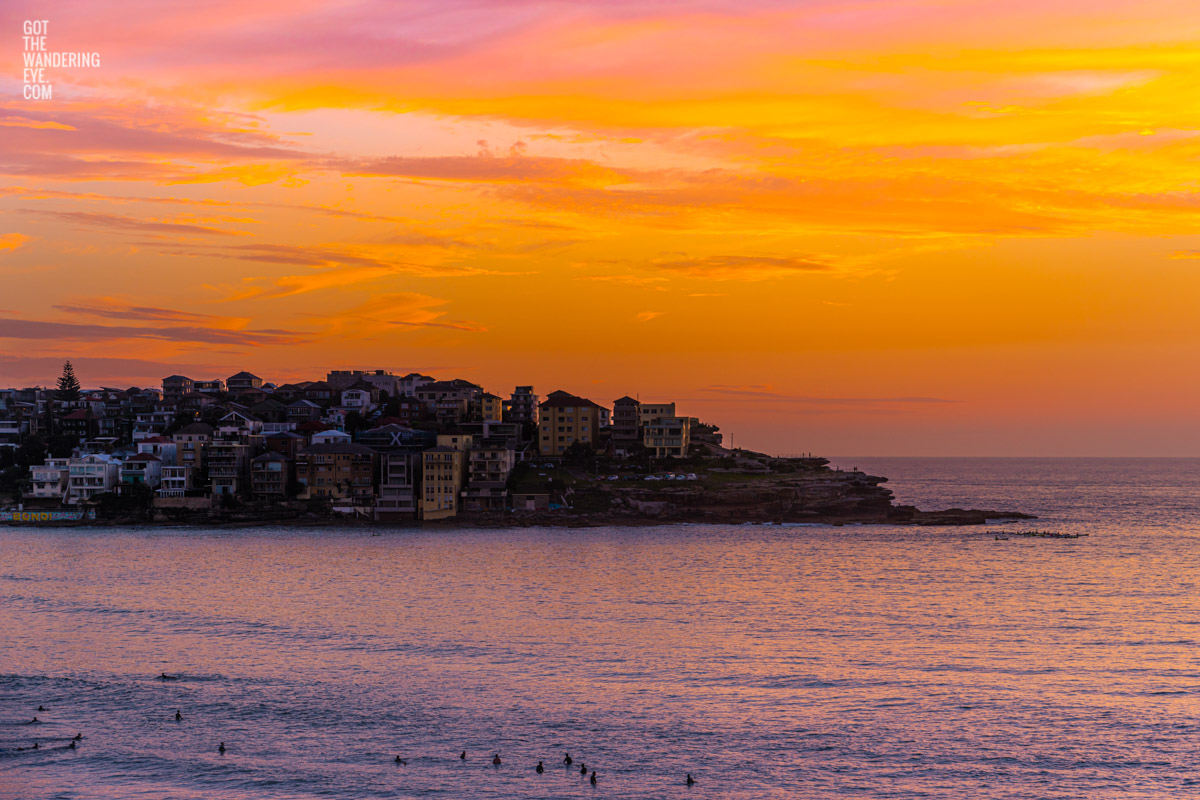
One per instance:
(792, 498)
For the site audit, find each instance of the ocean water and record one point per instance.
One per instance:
(768, 661)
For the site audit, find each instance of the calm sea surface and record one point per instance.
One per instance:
(770, 662)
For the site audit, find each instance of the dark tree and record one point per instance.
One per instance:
(32, 451)
(61, 446)
(354, 423)
(182, 420)
(580, 454)
(68, 384)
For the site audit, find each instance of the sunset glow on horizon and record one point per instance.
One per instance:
(939, 227)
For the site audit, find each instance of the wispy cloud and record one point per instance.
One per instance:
(484, 167)
(628, 280)
(48, 330)
(112, 308)
(12, 241)
(454, 326)
(333, 267)
(752, 268)
(33, 193)
(383, 312)
(118, 222)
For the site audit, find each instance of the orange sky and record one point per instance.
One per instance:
(892, 227)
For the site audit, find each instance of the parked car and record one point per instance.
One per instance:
(691, 476)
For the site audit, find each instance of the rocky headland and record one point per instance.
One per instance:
(730, 488)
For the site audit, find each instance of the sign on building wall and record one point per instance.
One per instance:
(47, 516)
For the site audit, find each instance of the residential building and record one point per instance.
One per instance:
(343, 378)
(270, 410)
(142, 469)
(413, 381)
(239, 425)
(399, 448)
(10, 432)
(451, 410)
(243, 382)
(91, 475)
(209, 387)
(457, 389)
(565, 419)
(288, 443)
(191, 442)
(340, 472)
(522, 406)
(331, 437)
(249, 397)
(396, 437)
(441, 482)
(288, 392)
(406, 410)
(320, 393)
(176, 386)
(667, 436)
(301, 411)
(357, 400)
(228, 467)
(49, 480)
(459, 441)
(111, 421)
(648, 412)
(487, 478)
(491, 407)
(383, 381)
(489, 433)
(161, 447)
(176, 481)
(626, 423)
(81, 424)
(149, 423)
(196, 401)
(379, 379)
(102, 445)
(270, 476)
(399, 482)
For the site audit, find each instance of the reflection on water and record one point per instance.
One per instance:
(766, 661)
